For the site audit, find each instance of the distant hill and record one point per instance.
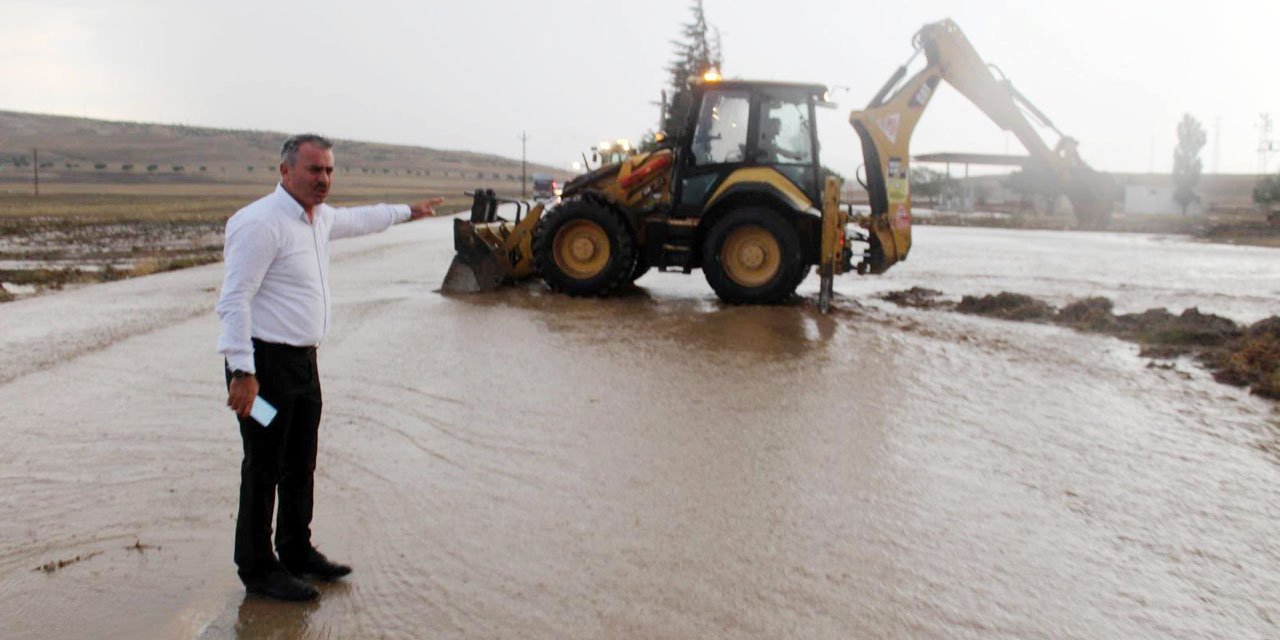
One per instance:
(121, 152)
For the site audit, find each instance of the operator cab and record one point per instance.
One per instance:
(744, 125)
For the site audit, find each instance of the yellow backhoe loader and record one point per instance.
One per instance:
(741, 195)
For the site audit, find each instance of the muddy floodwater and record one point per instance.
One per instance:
(524, 465)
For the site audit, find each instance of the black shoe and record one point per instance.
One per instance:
(315, 565)
(281, 586)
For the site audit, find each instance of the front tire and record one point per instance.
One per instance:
(753, 256)
(641, 268)
(584, 248)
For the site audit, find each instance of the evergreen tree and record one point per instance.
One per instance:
(697, 51)
(1186, 161)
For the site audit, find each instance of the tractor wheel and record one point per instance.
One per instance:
(802, 272)
(584, 248)
(753, 256)
(641, 268)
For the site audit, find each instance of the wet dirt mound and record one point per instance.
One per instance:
(917, 297)
(1252, 360)
(1164, 335)
(1240, 356)
(1007, 306)
(1095, 315)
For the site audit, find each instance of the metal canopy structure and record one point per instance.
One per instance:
(988, 159)
(966, 159)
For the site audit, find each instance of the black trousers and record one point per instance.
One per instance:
(279, 457)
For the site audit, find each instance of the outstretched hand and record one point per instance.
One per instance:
(425, 208)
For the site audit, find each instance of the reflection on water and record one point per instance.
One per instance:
(698, 322)
(261, 618)
(253, 617)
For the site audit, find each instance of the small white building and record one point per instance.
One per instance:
(1145, 199)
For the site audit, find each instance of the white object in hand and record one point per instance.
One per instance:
(262, 411)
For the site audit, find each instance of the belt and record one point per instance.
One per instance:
(263, 345)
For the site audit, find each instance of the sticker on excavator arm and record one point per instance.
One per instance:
(899, 189)
(902, 219)
(921, 98)
(896, 182)
(889, 125)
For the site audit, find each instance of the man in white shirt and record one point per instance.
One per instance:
(275, 308)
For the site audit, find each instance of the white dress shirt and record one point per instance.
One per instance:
(276, 287)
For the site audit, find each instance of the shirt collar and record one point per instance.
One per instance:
(289, 205)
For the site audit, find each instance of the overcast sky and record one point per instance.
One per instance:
(472, 74)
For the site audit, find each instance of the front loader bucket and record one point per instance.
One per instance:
(475, 266)
(491, 250)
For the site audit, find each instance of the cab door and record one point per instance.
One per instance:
(719, 143)
(784, 138)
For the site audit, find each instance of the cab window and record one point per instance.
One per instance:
(721, 133)
(785, 133)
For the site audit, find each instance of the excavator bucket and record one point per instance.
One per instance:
(490, 250)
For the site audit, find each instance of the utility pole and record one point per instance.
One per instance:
(35, 164)
(524, 139)
(1266, 146)
(1217, 143)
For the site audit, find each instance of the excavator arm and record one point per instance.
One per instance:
(887, 123)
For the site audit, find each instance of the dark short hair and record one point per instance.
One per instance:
(289, 150)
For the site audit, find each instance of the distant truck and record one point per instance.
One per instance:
(545, 186)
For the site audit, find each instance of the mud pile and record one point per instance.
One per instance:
(1093, 315)
(1164, 335)
(1253, 359)
(1006, 306)
(1240, 356)
(918, 297)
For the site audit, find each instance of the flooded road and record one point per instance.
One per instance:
(522, 464)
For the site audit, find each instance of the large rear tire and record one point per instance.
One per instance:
(584, 248)
(641, 268)
(753, 256)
